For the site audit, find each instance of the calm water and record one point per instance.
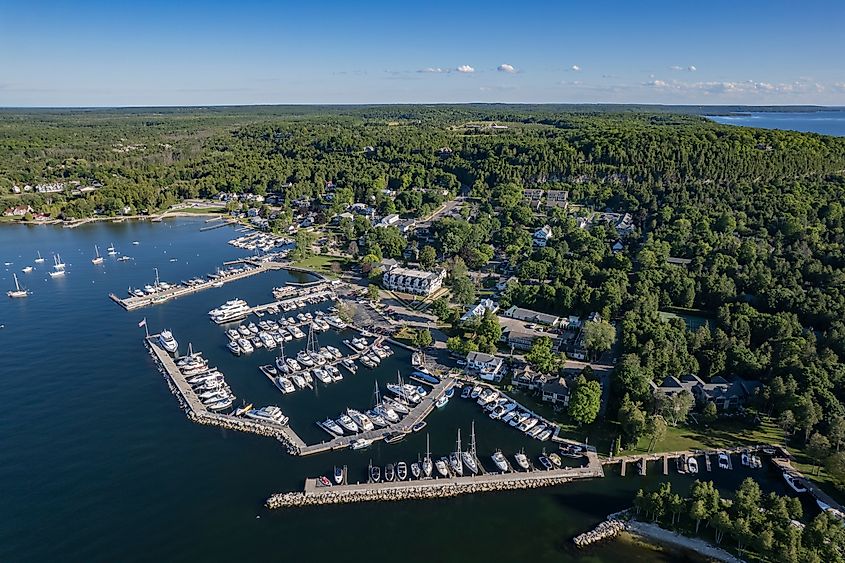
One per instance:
(824, 122)
(97, 462)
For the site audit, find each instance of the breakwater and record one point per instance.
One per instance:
(414, 491)
(608, 529)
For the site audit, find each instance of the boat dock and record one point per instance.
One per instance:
(198, 413)
(315, 493)
(418, 413)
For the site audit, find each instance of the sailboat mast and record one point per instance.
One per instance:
(472, 440)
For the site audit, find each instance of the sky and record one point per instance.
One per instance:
(117, 53)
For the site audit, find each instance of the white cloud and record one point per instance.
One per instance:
(575, 68)
(737, 87)
(504, 67)
(466, 69)
(691, 68)
(679, 68)
(431, 69)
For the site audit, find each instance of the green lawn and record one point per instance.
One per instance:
(199, 210)
(324, 264)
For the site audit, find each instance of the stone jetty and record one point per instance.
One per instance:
(608, 529)
(419, 491)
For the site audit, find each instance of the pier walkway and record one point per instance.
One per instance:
(316, 494)
(418, 413)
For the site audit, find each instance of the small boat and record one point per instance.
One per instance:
(332, 427)
(793, 481)
(415, 470)
(324, 481)
(40, 259)
(724, 462)
(167, 342)
(555, 459)
(348, 424)
(234, 348)
(500, 461)
(338, 475)
(546, 462)
(692, 465)
(111, 250)
(17, 292)
(768, 451)
(745, 458)
(418, 426)
(97, 259)
(442, 468)
(521, 460)
(393, 437)
(135, 242)
(375, 473)
(441, 402)
(401, 470)
(466, 392)
(27, 269)
(681, 464)
(240, 411)
(450, 392)
(756, 462)
(426, 463)
(388, 472)
(360, 444)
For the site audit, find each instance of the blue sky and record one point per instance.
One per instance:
(98, 53)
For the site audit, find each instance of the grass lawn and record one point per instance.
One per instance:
(330, 266)
(217, 210)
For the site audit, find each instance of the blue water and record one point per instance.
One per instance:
(98, 463)
(824, 122)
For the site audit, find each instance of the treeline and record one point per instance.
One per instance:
(766, 527)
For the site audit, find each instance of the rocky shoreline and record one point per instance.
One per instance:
(608, 529)
(382, 493)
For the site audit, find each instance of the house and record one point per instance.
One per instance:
(519, 339)
(526, 378)
(555, 392)
(417, 282)
(503, 283)
(18, 211)
(50, 188)
(479, 309)
(529, 316)
(388, 220)
(727, 395)
(542, 236)
(532, 197)
(253, 212)
(489, 367)
(617, 247)
(678, 261)
(557, 198)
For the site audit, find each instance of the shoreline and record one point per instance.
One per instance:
(654, 536)
(120, 219)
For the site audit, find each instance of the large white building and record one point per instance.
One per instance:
(417, 282)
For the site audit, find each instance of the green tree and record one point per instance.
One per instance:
(632, 419)
(423, 338)
(541, 357)
(835, 466)
(656, 430)
(463, 290)
(709, 413)
(599, 337)
(373, 292)
(818, 448)
(460, 345)
(585, 401)
(427, 257)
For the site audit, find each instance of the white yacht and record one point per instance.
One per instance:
(332, 427)
(17, 292)
(442, 468)
(293, 364)
(361, 419)
(455, 458)
(521, 460)
(346, 422)
(500, 461)
(166, 340)
(233, 347)
(360, 444)
(233, 310)
(27, 269)
(245, 345)
(40, 258)
(284, 384)
(305, 359)
(270, 413)
(267, 340)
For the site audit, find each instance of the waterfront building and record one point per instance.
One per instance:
(417, 282)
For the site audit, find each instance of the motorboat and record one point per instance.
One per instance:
(794, 483)
(465, 393)
(375, 473)
(546, 462)
(418, 426)
(367, 362)
(360, 444)
(221, 405)
(253, 328)
(416, 359)
(267, 340)
(332, 427)
(415, 470)
(500, 461)
(243, 330)
(245, 345)
(476, 391)
(167, 342)
(334, 352)
(361, 419)
(338, 475)
(376, 418)
(304, 358)
(299, 381)
(426, 377)
(27, 269)
(388, 413)
(395, 405)
(389, 473)
(521, 460)
(284, 384)
(756, 462)
(745, 458)
(324, 481)
(441, 402)
(322, 375)
(350, 365)
(555, 459)
(270, 413)
(528, 424)
(234, 348)
(401, 470)
(348, 423)
(692, 465)
(240, 411)
(441, 467)
(293, 364)
(17, 292)
(724, 461)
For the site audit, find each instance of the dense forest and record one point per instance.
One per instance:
(756, 214)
